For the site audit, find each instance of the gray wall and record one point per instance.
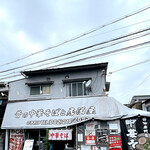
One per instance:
(18, 90)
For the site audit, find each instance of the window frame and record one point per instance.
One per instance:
(40, 88)
(66, 83)
(70, 88)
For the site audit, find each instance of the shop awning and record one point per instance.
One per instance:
(64, 112)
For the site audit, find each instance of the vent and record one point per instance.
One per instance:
(48, 79)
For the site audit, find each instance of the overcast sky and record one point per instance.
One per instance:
(29, 26)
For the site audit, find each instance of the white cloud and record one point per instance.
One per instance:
(21, 37)
(3, 14)
(131, 2)
(25, 28)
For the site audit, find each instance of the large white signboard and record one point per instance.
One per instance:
(49, 113)
(62, 112)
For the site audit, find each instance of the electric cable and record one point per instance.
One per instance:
(133, 89)
(59, 65)
(112, 30)
(145, 61)
(12, 76)
(84, 34)
(8, 74)
(130, 50)
(93, 50)
(102, 54)
(144, 21)
(78, 50)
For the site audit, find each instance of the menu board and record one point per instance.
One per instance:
(114, 141)
(28, 144)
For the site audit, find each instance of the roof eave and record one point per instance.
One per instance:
(74, 68)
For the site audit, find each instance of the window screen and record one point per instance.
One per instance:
(77, 89)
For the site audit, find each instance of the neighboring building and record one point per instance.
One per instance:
(141, 102)
(3, 102)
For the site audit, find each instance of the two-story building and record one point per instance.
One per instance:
(64, 108)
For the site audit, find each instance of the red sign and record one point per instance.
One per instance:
(60, 135)
(114, 141)
(90, 140)
(16, 139)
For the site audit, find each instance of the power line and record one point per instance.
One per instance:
(103, 54)
(7, 76)
(113, 30)
(78, 50)
(82, 35)
(58, 65)
(10, 77)
(145, 61)
(89, 37)
(129, 50)
(142, 82)
(134, 89)
(93, 50)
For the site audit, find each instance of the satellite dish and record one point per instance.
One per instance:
(88, 84)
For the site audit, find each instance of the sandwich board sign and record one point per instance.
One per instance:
(28, 144)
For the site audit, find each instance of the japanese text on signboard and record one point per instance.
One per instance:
(60, 135)
(55, 116)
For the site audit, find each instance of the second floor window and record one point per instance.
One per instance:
(40, 90)
(77, 89)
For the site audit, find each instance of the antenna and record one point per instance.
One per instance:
(88, 85)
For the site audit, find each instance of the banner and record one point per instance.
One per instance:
(16, 139)
(136, 133)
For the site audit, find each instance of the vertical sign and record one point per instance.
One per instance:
(90, 137)
(138, 138)
(16, 139)
(132, 133)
